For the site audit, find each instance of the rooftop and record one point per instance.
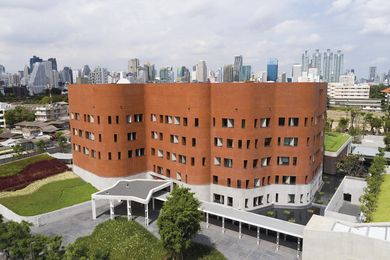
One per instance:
(333, 141)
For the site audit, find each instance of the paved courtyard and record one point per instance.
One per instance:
(227, 243)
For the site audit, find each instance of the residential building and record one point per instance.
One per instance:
(99, 76)
(233, 144)
(228, 73)
(3, 107)
(272, 70)
(51, 112)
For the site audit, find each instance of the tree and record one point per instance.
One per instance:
(376, 123)
(354, 113)
(17, 115)
(61, 140)
(45, 100)
(179, 221)
(18, 150)
(40, 146)
(351, 165)
(386, 140)
(343, 124)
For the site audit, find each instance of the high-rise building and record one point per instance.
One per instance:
(34, 60)
(99, 76)
(133, 67)
(338, 66)
(237, 67)
(245, 73)
(328, 66)
(53, 63)
(2, 69)
(66, 75)
(155, 138)
(296, 72)
(228, 73)
(150, 72)
(372, 74)
(201, 71)
(86, 71)
(166, 74)
(305, 61)
(41, 77)
(272, 70)
(183, 74)
(316, 61)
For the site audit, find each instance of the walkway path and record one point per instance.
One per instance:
(227, 243)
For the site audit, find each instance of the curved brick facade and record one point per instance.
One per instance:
(226, 134)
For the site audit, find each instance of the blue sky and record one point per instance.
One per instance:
(177, 32)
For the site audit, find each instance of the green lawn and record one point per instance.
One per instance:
(382, 212)
(14, 168)
(333, 141)
(50, 197)
(123, 239)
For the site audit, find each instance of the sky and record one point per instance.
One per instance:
(177, 32)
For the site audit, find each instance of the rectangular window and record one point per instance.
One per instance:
(215, 179)
(131, 136)
(109, 156)
(129, 119)
(293, 121)
(119, 155)
(256, 141)
(185, 121)
(168, 173)
(294, 161)
(154, 135)
(228, 163)
(264, 122)
(115, 138)
(247, 184)
(217, 161)
(203, 161)
(168, 119)
(192, 161)
(117, 119)
(218, 142)
(255, 163)
(277, 179)
(239, 144)
(248, 144)
(229, 182)
(152, 151)
(242, 123)
(139, 152)
(305, 121)
(283, 160)
(291, 198)
(230, 201)
(176, 120)
(193, 142)
(173, 157)
(178, 176)
(153, 117)
(282, 121)
(213, 121)
(196, 123)
(109, 120)
(228, 122)
(174, 139)
(138, 118)
(229, 143)
(161, 119)
(290, 141)
(265, 161)
(182, 159)
(245, 164)
(239, 184)
(168, 156)
(255, 123)
(98, 120)
(161, 136)
(129, 154)
(160, 153)
(183, 140)
(257, 182)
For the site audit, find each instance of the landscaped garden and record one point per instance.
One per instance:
(382, 212)
(19, 174)
(123, 239)
(49, 197)
(333, 141)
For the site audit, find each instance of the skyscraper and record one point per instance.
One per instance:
(2, 69)
(228, 73)
(305, 61)
(237, 67)
(328, 65)
(33, 60)
(183, 74)
(245, 73)
(53, 63)
(66, 75)
(296, 72)
(166, 74)
(316, 61)
(272, 70)
(338, 66)
(372, 74)
(133, 67)
(201, 71)
(86, 71)
(99, 76)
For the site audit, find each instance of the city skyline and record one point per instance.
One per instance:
(183, 34)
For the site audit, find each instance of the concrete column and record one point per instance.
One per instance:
(129, 217)
(258, 235)
(146, 215)
(93, 209)
(112, 207)
(239, 230)
(223, 225)
(277, 241)
(153, 203)
(299, 248)
(207, 220)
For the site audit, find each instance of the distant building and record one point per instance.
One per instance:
(183, 74)
(272, 70)
(166, 74)
(133, 67)
(3, 108)
(66, 75)
(245, 73)
(34, 60)
(2, 69)
(347, 89)
(201, 71)
(237, 67)
(41, 77)
(372, 74)
(53, 63)
(51, 112)
(296, 72)
(228, 73)
(99, 76)
(86, 71)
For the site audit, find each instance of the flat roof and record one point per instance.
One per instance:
(135, 190)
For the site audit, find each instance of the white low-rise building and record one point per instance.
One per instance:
(51, 112)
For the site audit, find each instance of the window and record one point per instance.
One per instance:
(100, 137)
(217, 161)
(192, 161)
(117, 119)
(291, 198)
(168, 173)
(282, 121)
(257, 182)
(277, 197)
(196, 123)
(289, 180)
(183, 140)
(228, 163)
(160, 153)
(215, 179)
(255, 123)
(239, 184)
(93, 153)
(168, 156)
(153, 117)
(176, 120)
(178, 176)
(248, 144)
(85, 117)
(131, 136)
(160, 170)
(246, 203)
(283, 160)
(161, 119)
(279, 140)
(305, 121)
(218, 142)
(174, 139)
(247, 184)
(257, 201)
(109, 156)
(256, 141)
(90, 136)
(138, 118)
(182, 159)
(277, 179)
(239, 144)
(294, 161)
(265, 161)
(229, 143)
(193, 142)
(119, 156)
(109, 120)
(203, 161)
(168, 119)
(174, 157)
(218, 198)
(242, 123)
(152, 151)
(264, 122)
(255, 163)
(139, 152)
(228, 122)
(115, 138)
(161, 136)
(98, 120)
(185, 121)
(267, 142)
(71, 115)
(230, 201)
(245, 164)
(129, 154)
(290, 141)
(80, 133)
(85, 151)
(154, 135)
(213, 121)
(77, 116)
(293, 121)
(229, 182)
(129, 119)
